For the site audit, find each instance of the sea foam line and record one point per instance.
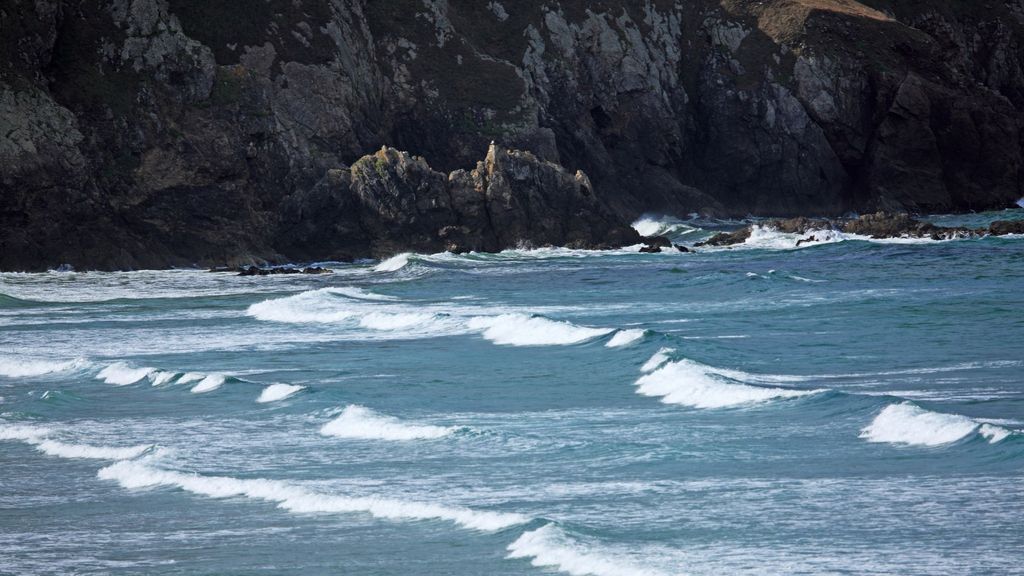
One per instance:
(907, 423)
(134, 474)
(37, 437)
(359, 422)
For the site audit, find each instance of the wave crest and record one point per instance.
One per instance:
(38, 437)
(549, 546)
(525, 330)
(693, 384)
(24, 367)
(276, 392)
(362, 423)
(907, 423)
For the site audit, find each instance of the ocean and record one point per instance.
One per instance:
(853, 406)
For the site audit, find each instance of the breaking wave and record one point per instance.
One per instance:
(625, 338)
(276, 392)
(362, 423)
(693, 384)
(209, 383)
(133, 474)
(550, 547)
(394, 263)
(907, 423)
(649, 225)
(121, 374)
(24, 367)
(38, 437)
(525, 330)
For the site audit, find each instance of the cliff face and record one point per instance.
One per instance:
(141, 133)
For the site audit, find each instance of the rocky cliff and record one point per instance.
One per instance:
(150, 133)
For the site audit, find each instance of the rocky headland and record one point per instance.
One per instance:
(157, 133)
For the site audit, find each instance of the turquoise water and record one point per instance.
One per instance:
(853, 407)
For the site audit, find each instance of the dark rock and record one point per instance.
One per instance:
(257, 271)
(650, 249)
(1001, 227)
(172, 132)
(661, 241)
(681, 248)
(727, 238)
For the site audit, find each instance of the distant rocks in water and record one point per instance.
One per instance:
(654, 244)
(727, 238)
(273, 271)
(879, 225)
(1003, 227)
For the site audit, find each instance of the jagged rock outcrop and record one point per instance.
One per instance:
(151, 133)
(391, 201)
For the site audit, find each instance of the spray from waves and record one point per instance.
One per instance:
(209, 383)
(121, 374)
(134, 474)
(276, 392)
(24, 367)
(652, 225)
(38, 437)
(362, 423)
(394, 263)
(656, 361)
(693, 384)
(524, 330)
(625, 338)
(550, 547)
(907, 423)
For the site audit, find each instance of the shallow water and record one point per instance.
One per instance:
(848, 407)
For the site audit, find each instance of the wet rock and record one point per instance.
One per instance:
(1001, 227)
(650, 249)
(727, 238)
(681, 248)
(257, 271)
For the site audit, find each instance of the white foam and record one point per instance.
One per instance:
(655, 362)
(189, 377)
(121, 374)
(549, 547)
(37, 437)
(313, 306)
(134, 474)
(208, 384)
(625, 338)
(524, 330)
(907, 423)
(23, 367)
(651, 225)
(398, 321)
(394, 263)
(362, 423)
(160, 378)
(276, 392)
(693, 384)
(62, 450)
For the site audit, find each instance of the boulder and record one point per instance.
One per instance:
(1001, 227)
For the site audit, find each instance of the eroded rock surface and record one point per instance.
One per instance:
(152, 133)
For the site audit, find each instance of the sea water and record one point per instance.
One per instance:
(851, 406)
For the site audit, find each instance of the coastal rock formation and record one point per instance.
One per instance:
(391, 201)
(153, 133)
